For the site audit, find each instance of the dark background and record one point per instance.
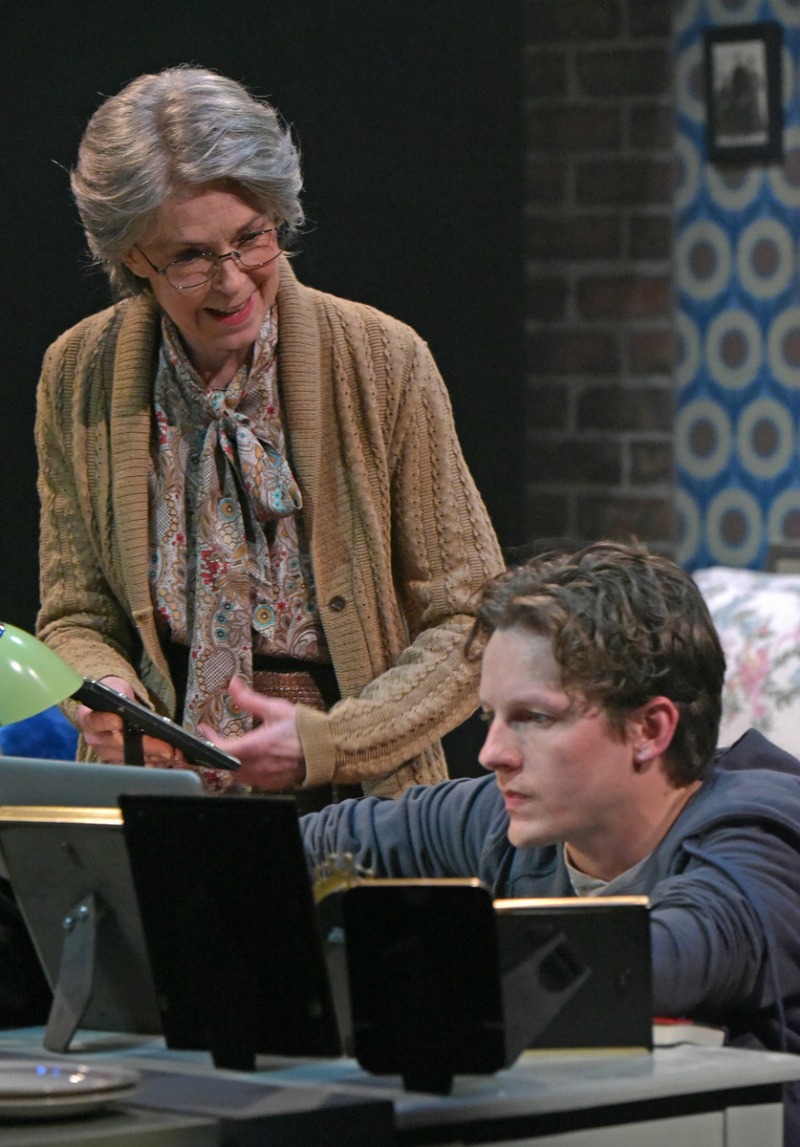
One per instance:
(407, 113)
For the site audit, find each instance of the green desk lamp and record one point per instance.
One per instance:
(32, 676)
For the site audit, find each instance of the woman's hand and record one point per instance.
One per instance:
(103, 733)
(271, 754)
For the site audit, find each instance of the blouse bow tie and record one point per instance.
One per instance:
(264, 471)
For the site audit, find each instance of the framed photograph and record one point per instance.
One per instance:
(743, 93)
(783, 558)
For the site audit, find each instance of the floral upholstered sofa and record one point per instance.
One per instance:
(757, 616)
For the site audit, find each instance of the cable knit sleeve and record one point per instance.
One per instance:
(79, 616)
(86, 613)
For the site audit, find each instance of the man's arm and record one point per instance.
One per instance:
(439, 830)
(726, 931)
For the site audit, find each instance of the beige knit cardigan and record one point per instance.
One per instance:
(400, 539)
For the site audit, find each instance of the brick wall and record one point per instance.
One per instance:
(598, 230)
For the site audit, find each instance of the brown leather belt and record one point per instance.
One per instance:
(301, 682)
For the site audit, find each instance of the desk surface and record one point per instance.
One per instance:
(539, 1086)
(548, 1083)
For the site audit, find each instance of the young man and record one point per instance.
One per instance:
(601, 687)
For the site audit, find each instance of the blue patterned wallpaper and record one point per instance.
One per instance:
(737, 275)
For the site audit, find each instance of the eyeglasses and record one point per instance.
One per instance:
(196, 268)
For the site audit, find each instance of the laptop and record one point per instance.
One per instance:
(31, 781)
(61, 847)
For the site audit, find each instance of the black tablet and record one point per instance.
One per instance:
(138, 719)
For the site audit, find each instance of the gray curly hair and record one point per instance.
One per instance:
(182, 127)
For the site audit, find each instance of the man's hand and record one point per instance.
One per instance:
(103, 733)
(271, 754)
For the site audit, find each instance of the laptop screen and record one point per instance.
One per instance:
(30, 781)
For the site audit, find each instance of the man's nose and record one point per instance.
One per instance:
(499, 749)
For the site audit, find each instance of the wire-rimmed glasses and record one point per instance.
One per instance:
(196, 268)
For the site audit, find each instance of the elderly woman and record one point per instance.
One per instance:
(256, 516)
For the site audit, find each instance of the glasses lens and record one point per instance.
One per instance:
(185, 273)
(259, 250)
(196, 270)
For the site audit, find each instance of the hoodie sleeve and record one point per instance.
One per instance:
(437, 831)
(726, 929)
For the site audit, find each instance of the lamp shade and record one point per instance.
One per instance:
(32, 676)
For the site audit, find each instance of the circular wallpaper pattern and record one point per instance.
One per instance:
(703, 259)
(733, 348)
(703, 438)
(783, 522)
(734, 526)
(765, 438)
(764, 258)
(737, 277)
(734, 187)
(783, 347)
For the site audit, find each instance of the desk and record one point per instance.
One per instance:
(698, 1097)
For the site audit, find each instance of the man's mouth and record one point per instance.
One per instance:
(513, 799)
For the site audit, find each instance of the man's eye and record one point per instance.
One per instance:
(531, 717)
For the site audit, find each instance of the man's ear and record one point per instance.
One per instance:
(652, 727)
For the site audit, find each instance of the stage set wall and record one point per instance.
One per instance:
(407, 113)
(737, 230)
(599, 134)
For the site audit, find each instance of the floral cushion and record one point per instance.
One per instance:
(757, 616)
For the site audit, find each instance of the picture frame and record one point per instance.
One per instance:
(742, 70)
(783, 558)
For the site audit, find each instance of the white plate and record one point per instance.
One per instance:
(48, 1089)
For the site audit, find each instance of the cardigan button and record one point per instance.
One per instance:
(337, 603)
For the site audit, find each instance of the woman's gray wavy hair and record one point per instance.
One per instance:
(180, 128)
